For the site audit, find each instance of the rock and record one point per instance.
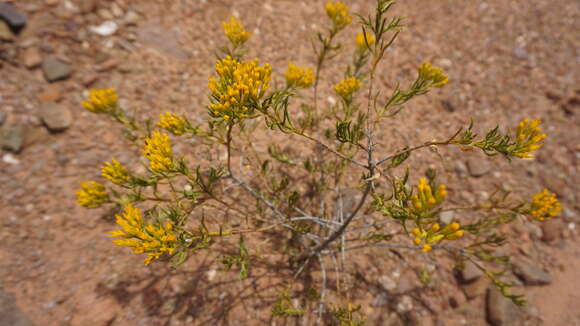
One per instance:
(131, 18)
(107, 65)
(10, 314)
(551, 230)
(521, 53)
(56, 117)
(11, 138)
(107, 28)
(470, 273)
(407, 282)
(476, 289)
(387, 283)
(2, 117)
(163, 40)
(12, 17)
(5, 32)
(9, 159)
(477, 167)
(405, 304)
(50, 94)
(87, 6)
(55, 69)
(89, 79)
(32, 57)
(500, 310)
(447, 217)
(530, 274)
(460, 168)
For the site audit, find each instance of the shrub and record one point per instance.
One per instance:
(292, 196)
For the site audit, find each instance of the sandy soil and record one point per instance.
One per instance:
(507, 60)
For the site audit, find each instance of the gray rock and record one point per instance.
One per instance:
(2, 118)
(55, 69)
(521, 53)
(10, 314)
(500, 310)
(11, 138)
(56, 117)
(470, 273)
(163, 40)
(11, 16)
(5, 32)
(478, 167)
(530, 274)
(460, 168)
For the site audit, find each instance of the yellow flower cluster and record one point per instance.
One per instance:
(347, 87)
(425, 199)
(101, 100)
(298, 77)
(545, 206)
(158, 150)
(154, 240)
(435, 234)
(361, 44)
(434, 76)
(239, 87)
(528, 138)
(235, 32)
(175, 124)
(338, 14)
(92, 194)
(115, 172)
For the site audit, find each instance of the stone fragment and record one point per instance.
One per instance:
(108, 65)
(55, 69)
(521, 53)
(89, 79)
(131, 18)
(56, 117)
(87, 6)
(500, 310)
(551, 230)
(477, 167)
(32, 57)
(5, 32)
(107, 28)
(50, 94)
(531, 274)
(11, 138)
(12, 17)
(470, 273)
(2, 118)
(163, 40)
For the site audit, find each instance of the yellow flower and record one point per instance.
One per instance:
(299, 77)
(115, 172)
(435, 234)
(235, 32)
(347, 87)
(175, 124)
(92, 194)
(101, 100)
(434, 76)
(238, 87)
(155, 240)
(338, 14)
(424, 200)
(362, 44)
(158, 150)
(545, 206)
(528, 138)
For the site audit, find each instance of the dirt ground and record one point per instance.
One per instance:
(506, 60)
